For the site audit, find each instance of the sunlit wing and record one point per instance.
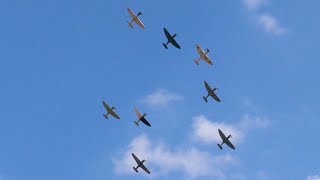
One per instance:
(131, 13)
(136, 159)
(207, 59)
(200, 51)
(144, 168)
(138, 21)
(229, 144)
(137, 113)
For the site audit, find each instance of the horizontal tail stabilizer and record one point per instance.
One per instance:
(106, 116)
(130, 24)
(136, 122)
(135, 169)
(205, 99)
(220, 146)
(197, 62)
(165, 46)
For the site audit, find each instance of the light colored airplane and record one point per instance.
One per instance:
(141, 118)
(210, 93)
(109, 111)
(203, 55)
(135, 18)
(225, 140)
(140, 164)
(170, 39)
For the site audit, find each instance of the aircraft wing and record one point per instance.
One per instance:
(131, 13)
(138, 21)
(207, 59)
(208, 88)
(137, 113)
(136, 159)
(174, 42)
(106, 106)
(168, 35)
(114, 114)
(214, 96)
(223, 137)
(145, 121)
(200, 51)
(227, 142)
(144, 168)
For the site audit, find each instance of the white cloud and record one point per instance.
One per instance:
(206, 131)
(162, 160)
(316, 177)
(161, 98)
(270, 24)
(254, 4)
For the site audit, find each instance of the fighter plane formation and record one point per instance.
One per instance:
(203, 55)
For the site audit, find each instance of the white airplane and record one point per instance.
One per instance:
(134, 18)
(203, 55)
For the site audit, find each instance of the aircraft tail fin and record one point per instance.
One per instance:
(105, 115)
(197, 62)
(220, 146)
(205, 99)
(165, 46)
(130, 24)
(135, 169)
(136, 122)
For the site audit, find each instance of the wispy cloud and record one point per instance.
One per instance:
(161, 98)
(270, 24)
(206, 131)
(316, 177)
(254, 4)
(162, 160)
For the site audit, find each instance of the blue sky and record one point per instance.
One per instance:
(60, 59)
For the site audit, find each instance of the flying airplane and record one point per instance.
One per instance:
(170, 39)
(140, 164)
(135, 18)
(109, 111)
(210, 93)
(203, 55)
(141, 118)
(225, 140)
